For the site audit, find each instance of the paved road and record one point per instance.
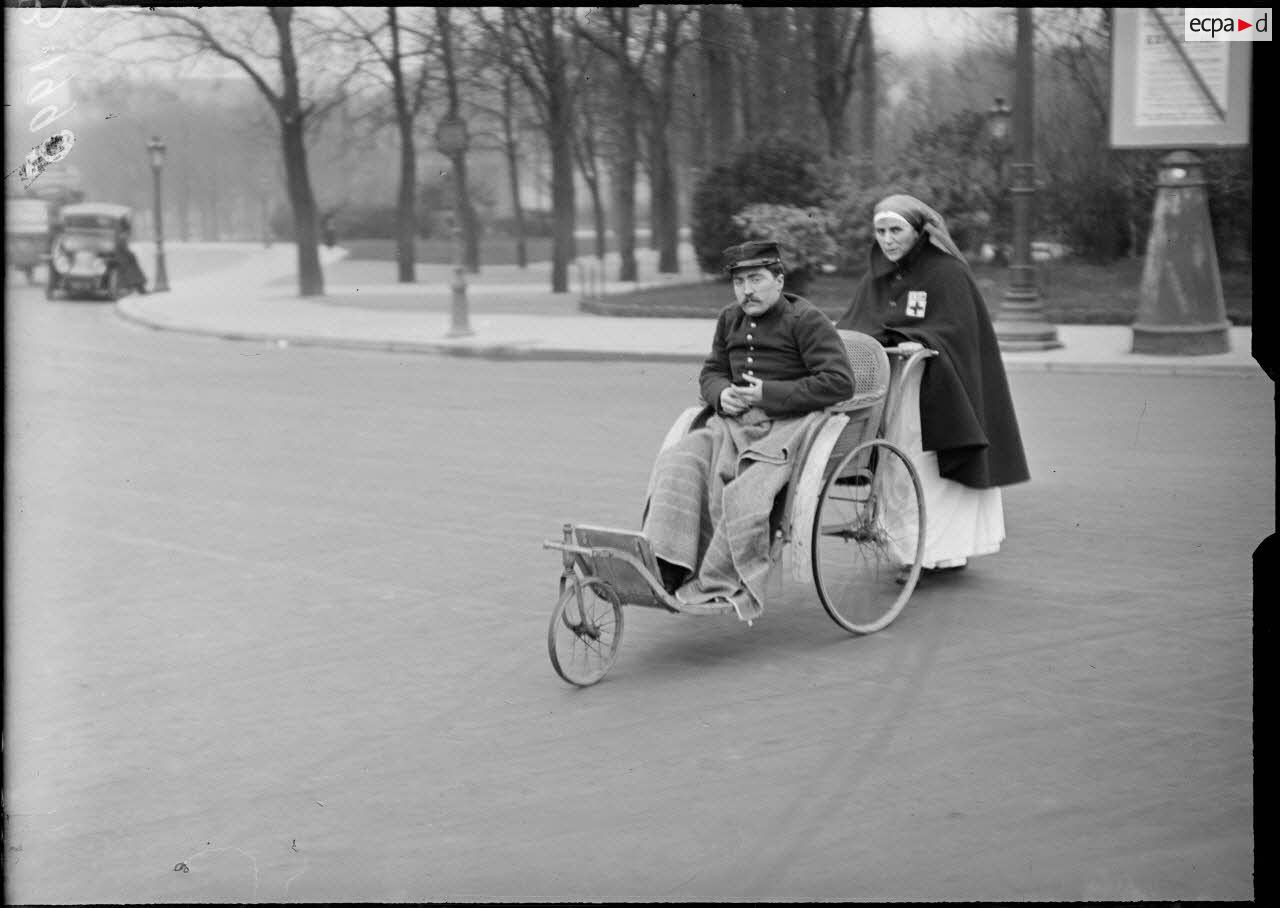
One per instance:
(279, 615)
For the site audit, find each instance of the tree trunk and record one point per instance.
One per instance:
(624, 172)
(511, 151)
(563, 247)
(406, 208)
(517, 209)
(867, 86)
(463, 209)
(303, 203)
(718, 59)
(406, 214)
(765, 36)
(624, 179)
(297, 175)
(624, 208)
(184, 203)
(831, 103)
(665, 217)
(601, 222)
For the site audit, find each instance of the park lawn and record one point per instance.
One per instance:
(1071, 292)
(494, 250)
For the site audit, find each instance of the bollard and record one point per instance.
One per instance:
(1180, 305)
(460, 325)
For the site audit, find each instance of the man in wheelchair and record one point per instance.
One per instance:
(776, 362)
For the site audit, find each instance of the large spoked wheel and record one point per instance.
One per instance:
(586, 628)
(868, 537)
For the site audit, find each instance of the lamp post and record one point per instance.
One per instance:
(998, 118)
(265, 202)
(1022, 324)
(998, 125)
(156, 149)
(451, 140)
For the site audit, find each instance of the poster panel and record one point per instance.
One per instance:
(1167, 92)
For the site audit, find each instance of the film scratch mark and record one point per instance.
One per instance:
(50, 151)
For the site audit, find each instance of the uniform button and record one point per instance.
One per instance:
(753, 324)
(748, 337)
(749, 359)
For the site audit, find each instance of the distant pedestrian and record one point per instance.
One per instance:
(327, 229)
(956, 421)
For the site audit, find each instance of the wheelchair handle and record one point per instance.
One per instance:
(899, 351)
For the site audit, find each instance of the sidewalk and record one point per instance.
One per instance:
(513, 314)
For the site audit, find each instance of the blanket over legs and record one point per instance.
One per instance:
(709, 502)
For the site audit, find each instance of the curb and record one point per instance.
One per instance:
(528, 353)
(496, 351)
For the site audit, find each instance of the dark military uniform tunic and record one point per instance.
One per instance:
(793, 348)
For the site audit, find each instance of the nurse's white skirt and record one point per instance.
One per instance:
(960, 522)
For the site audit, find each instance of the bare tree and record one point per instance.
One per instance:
(250, 48)
(867, 85)
(766, 30)
(493, 57)
(586, 151)
(464, 211)
(719, 75)
(542, 55)
(651, 69)
(838, 37)
(383, 38)
(617, 31)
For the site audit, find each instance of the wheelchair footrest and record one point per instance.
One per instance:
(632, 586)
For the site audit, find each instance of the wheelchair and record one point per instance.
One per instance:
(851, 520)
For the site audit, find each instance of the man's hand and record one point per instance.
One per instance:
(731, 402)
(737, 399)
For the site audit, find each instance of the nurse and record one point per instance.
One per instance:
(956, 419)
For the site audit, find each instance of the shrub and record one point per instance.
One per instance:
(803, 236)
(366, 222)
(776, 170)
(1089, 209)
(951, 167)
(537, 222)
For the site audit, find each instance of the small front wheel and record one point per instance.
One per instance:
(586, 628)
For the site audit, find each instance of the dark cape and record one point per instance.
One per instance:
(966, 410)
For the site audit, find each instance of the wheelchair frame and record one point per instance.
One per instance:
(606, 568)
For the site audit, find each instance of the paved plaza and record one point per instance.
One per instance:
(276, 623)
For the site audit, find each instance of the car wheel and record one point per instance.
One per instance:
(113, 284)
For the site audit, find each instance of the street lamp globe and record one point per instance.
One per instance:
(157, 148)
(998, 118)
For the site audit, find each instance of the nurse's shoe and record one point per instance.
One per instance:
(942, 567)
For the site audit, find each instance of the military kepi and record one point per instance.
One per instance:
(752, 254)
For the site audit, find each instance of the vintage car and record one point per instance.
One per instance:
(26, 228)
(90, 256)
